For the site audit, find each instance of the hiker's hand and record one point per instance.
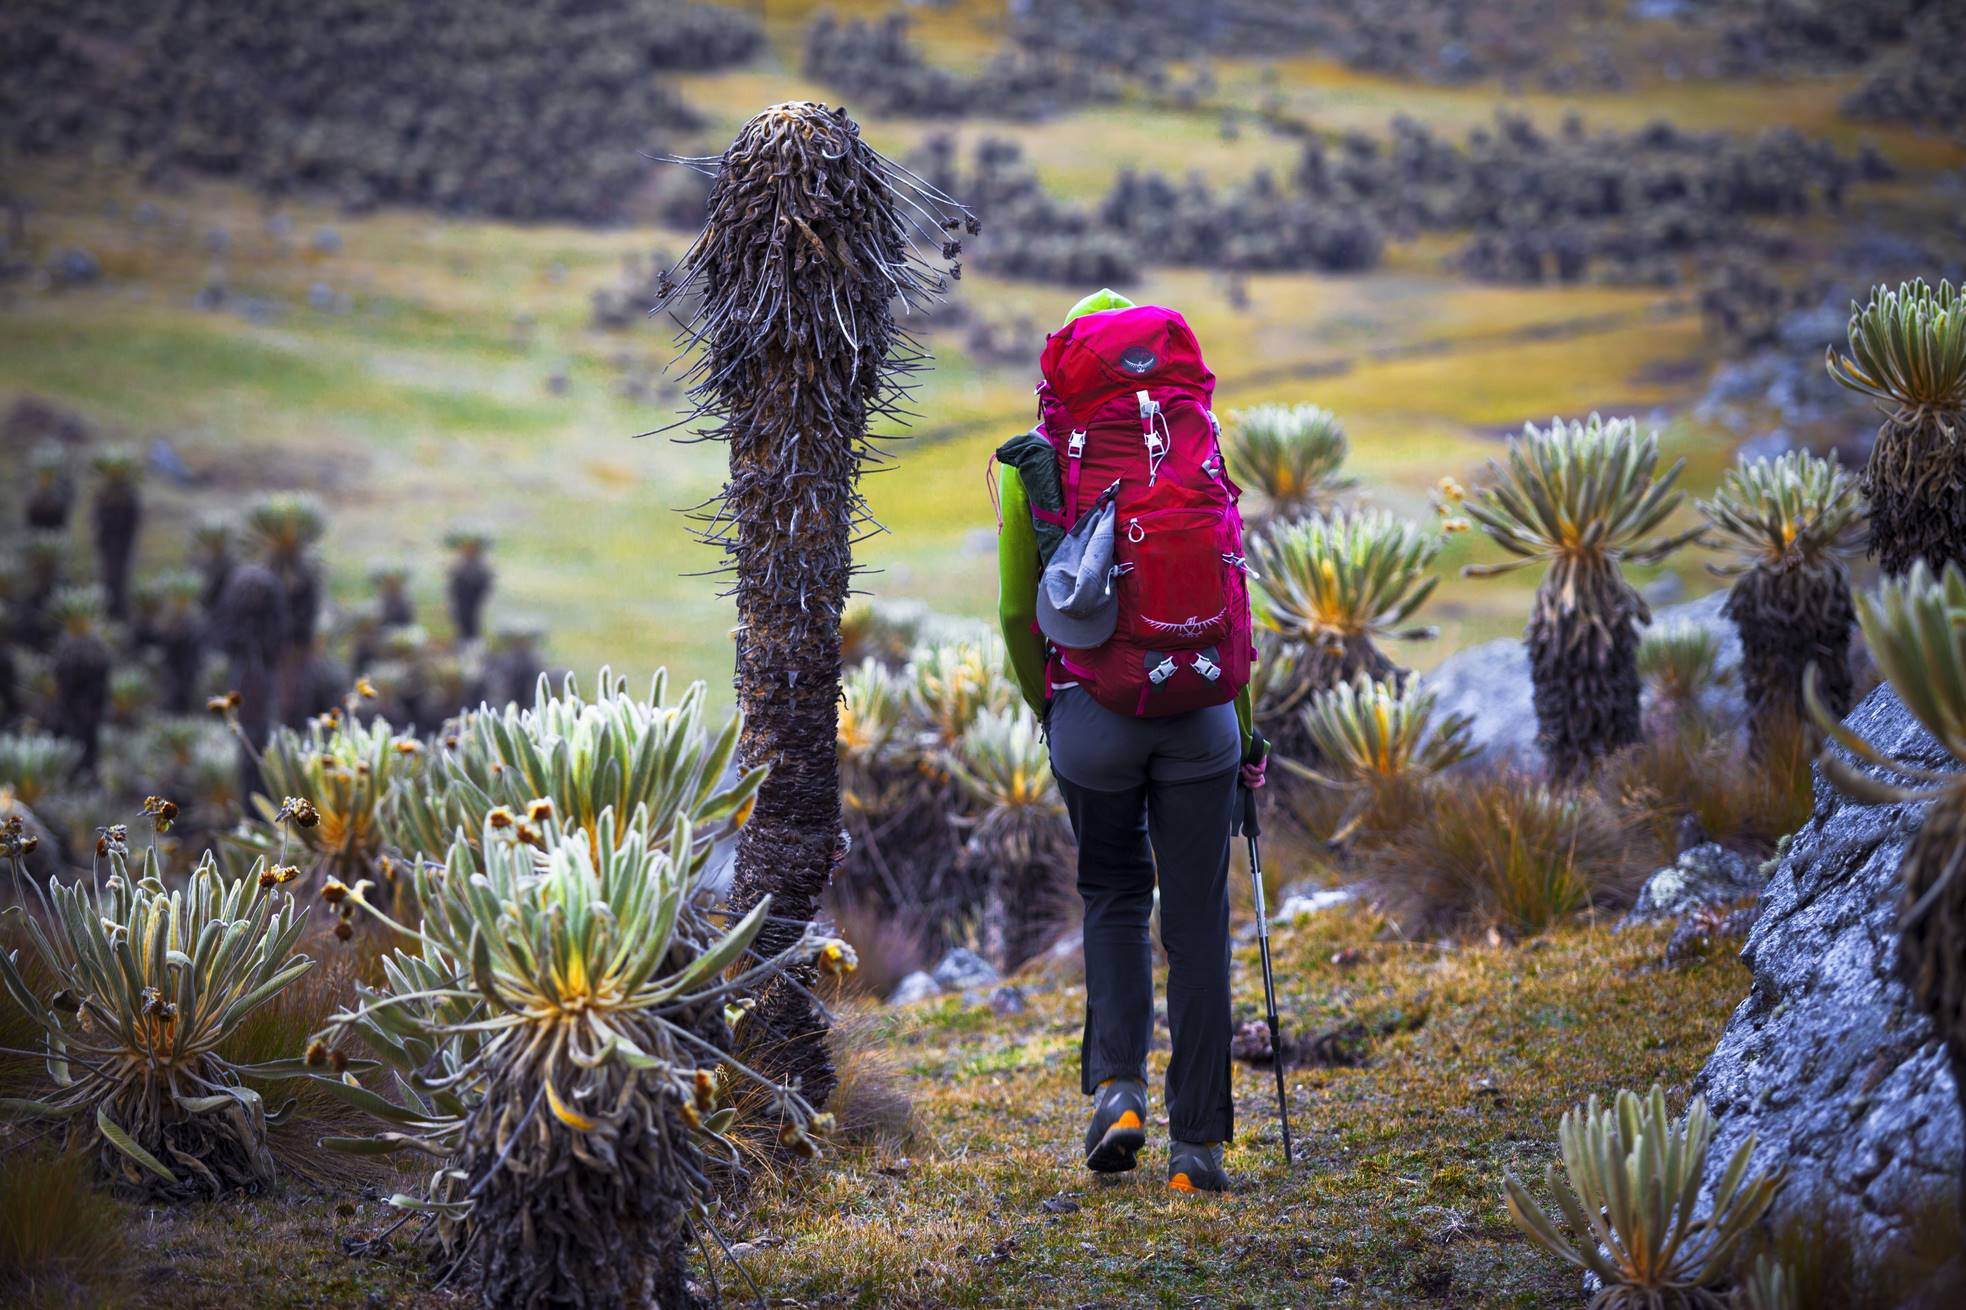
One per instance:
(1256, 762)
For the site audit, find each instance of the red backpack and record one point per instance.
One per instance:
(1125, 400)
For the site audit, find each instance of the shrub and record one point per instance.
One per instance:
(36, 764)
(343, 769)
(1908, 353)
(1581, 498)
(952, 682)
(581, 758)
(1788, 521)
(1679, 663)
(148, 984)
(1630, 1192)
(1370, 738)
(1019, 836)
(1293, 455)
(557, 1038)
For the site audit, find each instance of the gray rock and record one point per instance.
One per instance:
(1826, 1061)
(1490, 684)
(75, 267)
(327, 241)
(917, 986)
(1008, 1000)
(963, 968)
(1708, 874)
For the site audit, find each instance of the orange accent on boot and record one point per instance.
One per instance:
(1127, 1120)
(1180, 1183)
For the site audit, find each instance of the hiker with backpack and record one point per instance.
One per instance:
(1125, 613)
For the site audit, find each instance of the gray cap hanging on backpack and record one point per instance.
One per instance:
(1077, 606)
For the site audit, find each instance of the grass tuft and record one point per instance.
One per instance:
(1498, 851)
(62, 1242)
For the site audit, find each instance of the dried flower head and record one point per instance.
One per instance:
(499, 817)
(298, 809)
(113, 840)
(162, 813)
(342, 931)
(334, 891)
(540, 811)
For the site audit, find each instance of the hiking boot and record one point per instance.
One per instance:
(1119, 1126)
(1196, 1167)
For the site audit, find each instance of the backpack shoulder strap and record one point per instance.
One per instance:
(1037, 467)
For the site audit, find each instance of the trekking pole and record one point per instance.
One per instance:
(1252, 831)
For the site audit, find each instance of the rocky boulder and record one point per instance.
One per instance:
(1490, 684)
(1706, 875)
(1826, 1061)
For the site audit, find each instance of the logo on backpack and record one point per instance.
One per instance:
(1148, 458)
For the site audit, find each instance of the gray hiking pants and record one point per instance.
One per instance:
(1142, 794)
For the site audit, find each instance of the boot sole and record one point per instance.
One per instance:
(1117, 1152)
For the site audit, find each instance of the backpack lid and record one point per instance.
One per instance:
(1103, 354)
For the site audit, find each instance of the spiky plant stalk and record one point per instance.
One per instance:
(42, 572)
(1630, 1193)
(1581, 498)
(1020, 835)
(251, 629)
(392, 593)
(81, 669)
(469, 582)
(174, 603)
(559, 1041)
(1291, 454)
(1788, 521)
(212, 542)
(286, 527)
(148, 986)
(50, 491)
(1908, 353)
(1916, 629)
(1333, 586)
(811, 242)
(117, 515)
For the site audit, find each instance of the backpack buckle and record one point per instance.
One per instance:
(1162, 671)
(1075, 447)
(1207, 667)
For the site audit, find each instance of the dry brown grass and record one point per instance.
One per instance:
(890, 947)
(62, 1242)
(1496, 851)
(1703, 772)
